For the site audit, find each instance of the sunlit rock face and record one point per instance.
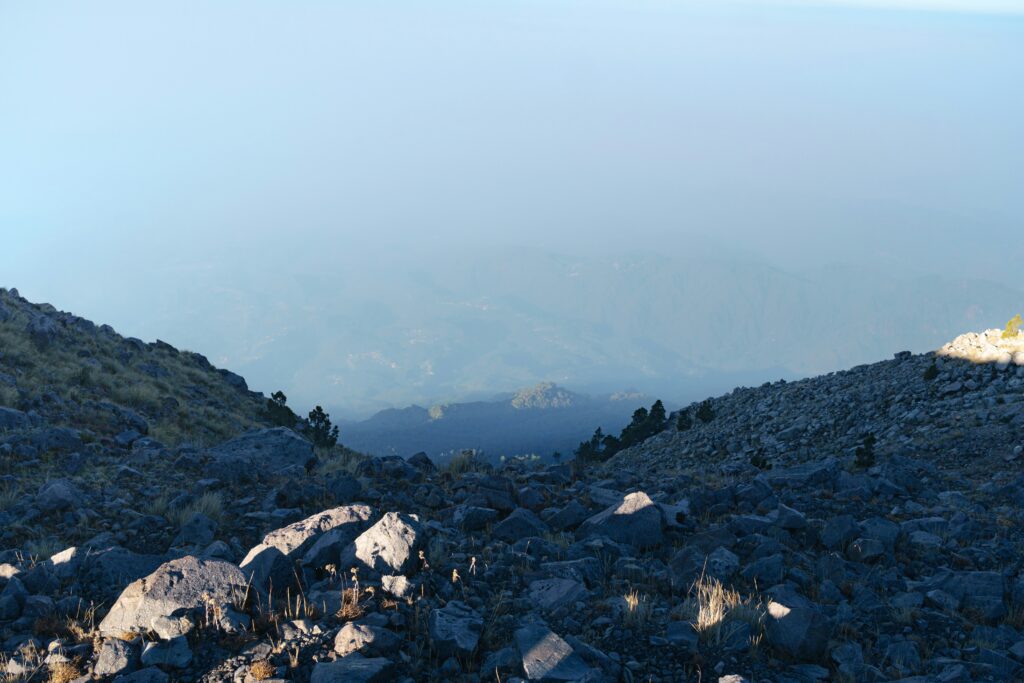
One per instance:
(989, 346)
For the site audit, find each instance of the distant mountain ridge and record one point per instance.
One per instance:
(462, 325)
(538, 420)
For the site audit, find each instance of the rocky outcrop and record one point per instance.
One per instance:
(262, 452)
(391, 546)
(172, 600)
(315, 541)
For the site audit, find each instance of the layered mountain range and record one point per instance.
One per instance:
(420, 327)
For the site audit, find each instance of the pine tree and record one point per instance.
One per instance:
(321, 431)
(684, 421)
(656, 418)
(705, 413)
(277, 411)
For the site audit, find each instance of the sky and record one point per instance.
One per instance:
(139, 140)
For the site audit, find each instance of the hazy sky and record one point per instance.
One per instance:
(135, 137)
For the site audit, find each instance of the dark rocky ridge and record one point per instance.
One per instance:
(678, 560)
(541, 420)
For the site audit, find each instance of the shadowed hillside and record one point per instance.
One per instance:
(542, 420)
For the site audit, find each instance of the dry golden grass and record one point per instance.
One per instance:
(710, 605)
(64, 672)
(350, 607)
(638, 609)
(261, 670)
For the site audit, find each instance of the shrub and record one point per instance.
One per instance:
(261, 670)
(464, 461)
(645, 424)
(1012, 329)
(931, 373)
(321, 431)
(684, 421)
(865, 454)
(705, 413)
(277, 411)
(758, 460)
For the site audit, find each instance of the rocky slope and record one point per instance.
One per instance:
(69, 372)
(258, 558)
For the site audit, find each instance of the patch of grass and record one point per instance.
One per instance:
(637, 611)
(1015, 616)
(210, 504)
(43, 548)
(10, 495)
(350, 607)
(338, 460)
(710, 605)
(462, 462)
(9, 397)
(64, 672)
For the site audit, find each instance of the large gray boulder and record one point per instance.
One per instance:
(13, 419)
(117, 656)
(522, 523)
(104, 572)
(455, 629)
(547, 657)
(798, 630)
(42, 331)
(635, 520)
(391, 546)
(198, 532)
(62, 439)
(354, 668)
(366, 639)
(174, 595)
(272, 563)
(550, 594)
(57, 495)
(259, 452)
(804, 475)
(982, 593)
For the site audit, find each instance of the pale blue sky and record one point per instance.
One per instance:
(145, 136)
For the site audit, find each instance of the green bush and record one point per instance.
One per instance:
(705, 413)
(931, 372)
(684, 421)
(645, 424)
(865, 454)
(758, 460)
(277, 411)
(1012, 329)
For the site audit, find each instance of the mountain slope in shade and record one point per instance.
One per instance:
(540, 420)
